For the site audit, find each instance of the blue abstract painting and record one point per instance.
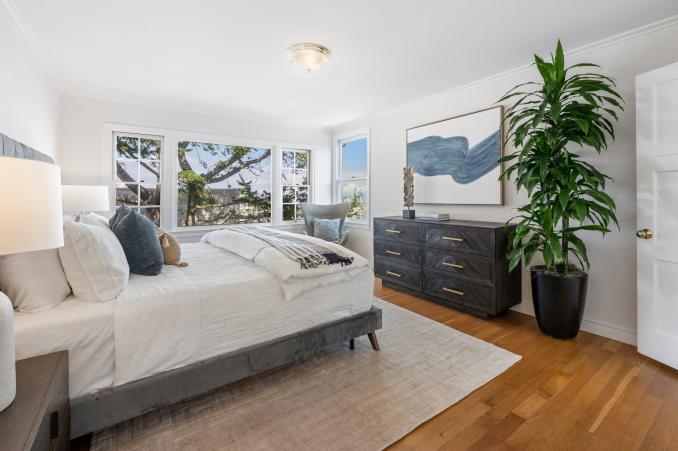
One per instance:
(456, 161)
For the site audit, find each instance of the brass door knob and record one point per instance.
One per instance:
(645, 234)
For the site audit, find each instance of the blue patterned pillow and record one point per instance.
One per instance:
(139, 240)
(327, 229)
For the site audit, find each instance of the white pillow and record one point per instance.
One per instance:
(93, 260)
(95, 219)
(34, 281)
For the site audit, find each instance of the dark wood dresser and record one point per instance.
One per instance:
(460, 264)
(39, 417)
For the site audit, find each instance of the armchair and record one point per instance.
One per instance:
(333, 211)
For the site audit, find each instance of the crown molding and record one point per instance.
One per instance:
(581, 50)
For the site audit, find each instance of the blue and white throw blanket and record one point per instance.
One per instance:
(299, 262)
(309, 254)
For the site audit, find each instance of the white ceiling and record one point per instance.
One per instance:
(228, 57)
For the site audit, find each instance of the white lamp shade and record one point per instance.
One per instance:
(84, 198)
(30, 206)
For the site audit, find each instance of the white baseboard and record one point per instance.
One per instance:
(597, 327)
(619, 333)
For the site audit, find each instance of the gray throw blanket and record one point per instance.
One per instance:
(307, 254)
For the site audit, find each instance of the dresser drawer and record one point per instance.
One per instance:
(404, 232)
(463, 265)
(474, 296)
(398, 274)
(465, 239)
(406, 254)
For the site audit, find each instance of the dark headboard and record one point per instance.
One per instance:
(12, 148)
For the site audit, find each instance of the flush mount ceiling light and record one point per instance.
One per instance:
(308, 56)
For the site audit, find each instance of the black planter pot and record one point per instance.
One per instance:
(559, 302)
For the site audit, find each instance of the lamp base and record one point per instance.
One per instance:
(408, 214)
(7, 356)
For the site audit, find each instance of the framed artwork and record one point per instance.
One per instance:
(455, 160)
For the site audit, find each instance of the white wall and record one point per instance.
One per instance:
(29, 101)
(85, 154)
(611, 306)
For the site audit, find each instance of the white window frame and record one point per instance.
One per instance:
(168, 159)
(338, 177)
(309, 179)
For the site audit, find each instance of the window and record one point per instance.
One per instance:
(208, 181)
(353, 176)
(222, 184)
(295, 182)
(137, 173)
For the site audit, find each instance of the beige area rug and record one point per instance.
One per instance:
(336, 400)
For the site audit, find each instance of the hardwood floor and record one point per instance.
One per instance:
(591, 393)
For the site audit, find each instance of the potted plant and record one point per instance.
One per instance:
(569, 109)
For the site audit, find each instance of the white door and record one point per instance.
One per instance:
(657, 178)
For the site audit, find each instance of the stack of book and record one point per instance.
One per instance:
(433, 216)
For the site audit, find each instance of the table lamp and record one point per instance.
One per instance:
(83, 199)
(30, 206)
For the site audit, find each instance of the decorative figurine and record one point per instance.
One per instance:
(408, 192)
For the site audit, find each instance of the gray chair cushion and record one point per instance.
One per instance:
(333, 211)
(139, 239)
(327, 229)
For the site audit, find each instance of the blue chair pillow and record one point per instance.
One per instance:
(139, 239)
(327, 229)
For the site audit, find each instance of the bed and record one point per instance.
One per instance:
(219, 319)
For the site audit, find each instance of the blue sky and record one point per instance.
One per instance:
(354, 159)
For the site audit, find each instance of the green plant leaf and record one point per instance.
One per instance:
(583, 125)
(563, 198)
(554, 244)
(580, 210)
(514, 262)
(559, 61)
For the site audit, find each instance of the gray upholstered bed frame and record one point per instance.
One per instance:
(110, 406)
(12, 148)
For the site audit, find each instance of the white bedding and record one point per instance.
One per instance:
(219, 303)
(83, 328)
(293, 279)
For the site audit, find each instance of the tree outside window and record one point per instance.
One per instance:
(222, 184)
(138, 169)
(295, 181)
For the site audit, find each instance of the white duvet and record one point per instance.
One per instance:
(293, 279)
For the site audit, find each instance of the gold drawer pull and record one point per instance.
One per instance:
(457, 292)
(453, 265)
(452, 238)
(393, 253)
(390, 273)
(393, 231)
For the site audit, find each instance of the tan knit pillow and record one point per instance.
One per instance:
(171, 250)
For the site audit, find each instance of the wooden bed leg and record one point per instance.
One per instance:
(373, 340)
(351, 344)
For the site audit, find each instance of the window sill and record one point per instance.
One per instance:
(189, 235)
(358, 225)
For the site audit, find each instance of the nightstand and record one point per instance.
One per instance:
(39, 417)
